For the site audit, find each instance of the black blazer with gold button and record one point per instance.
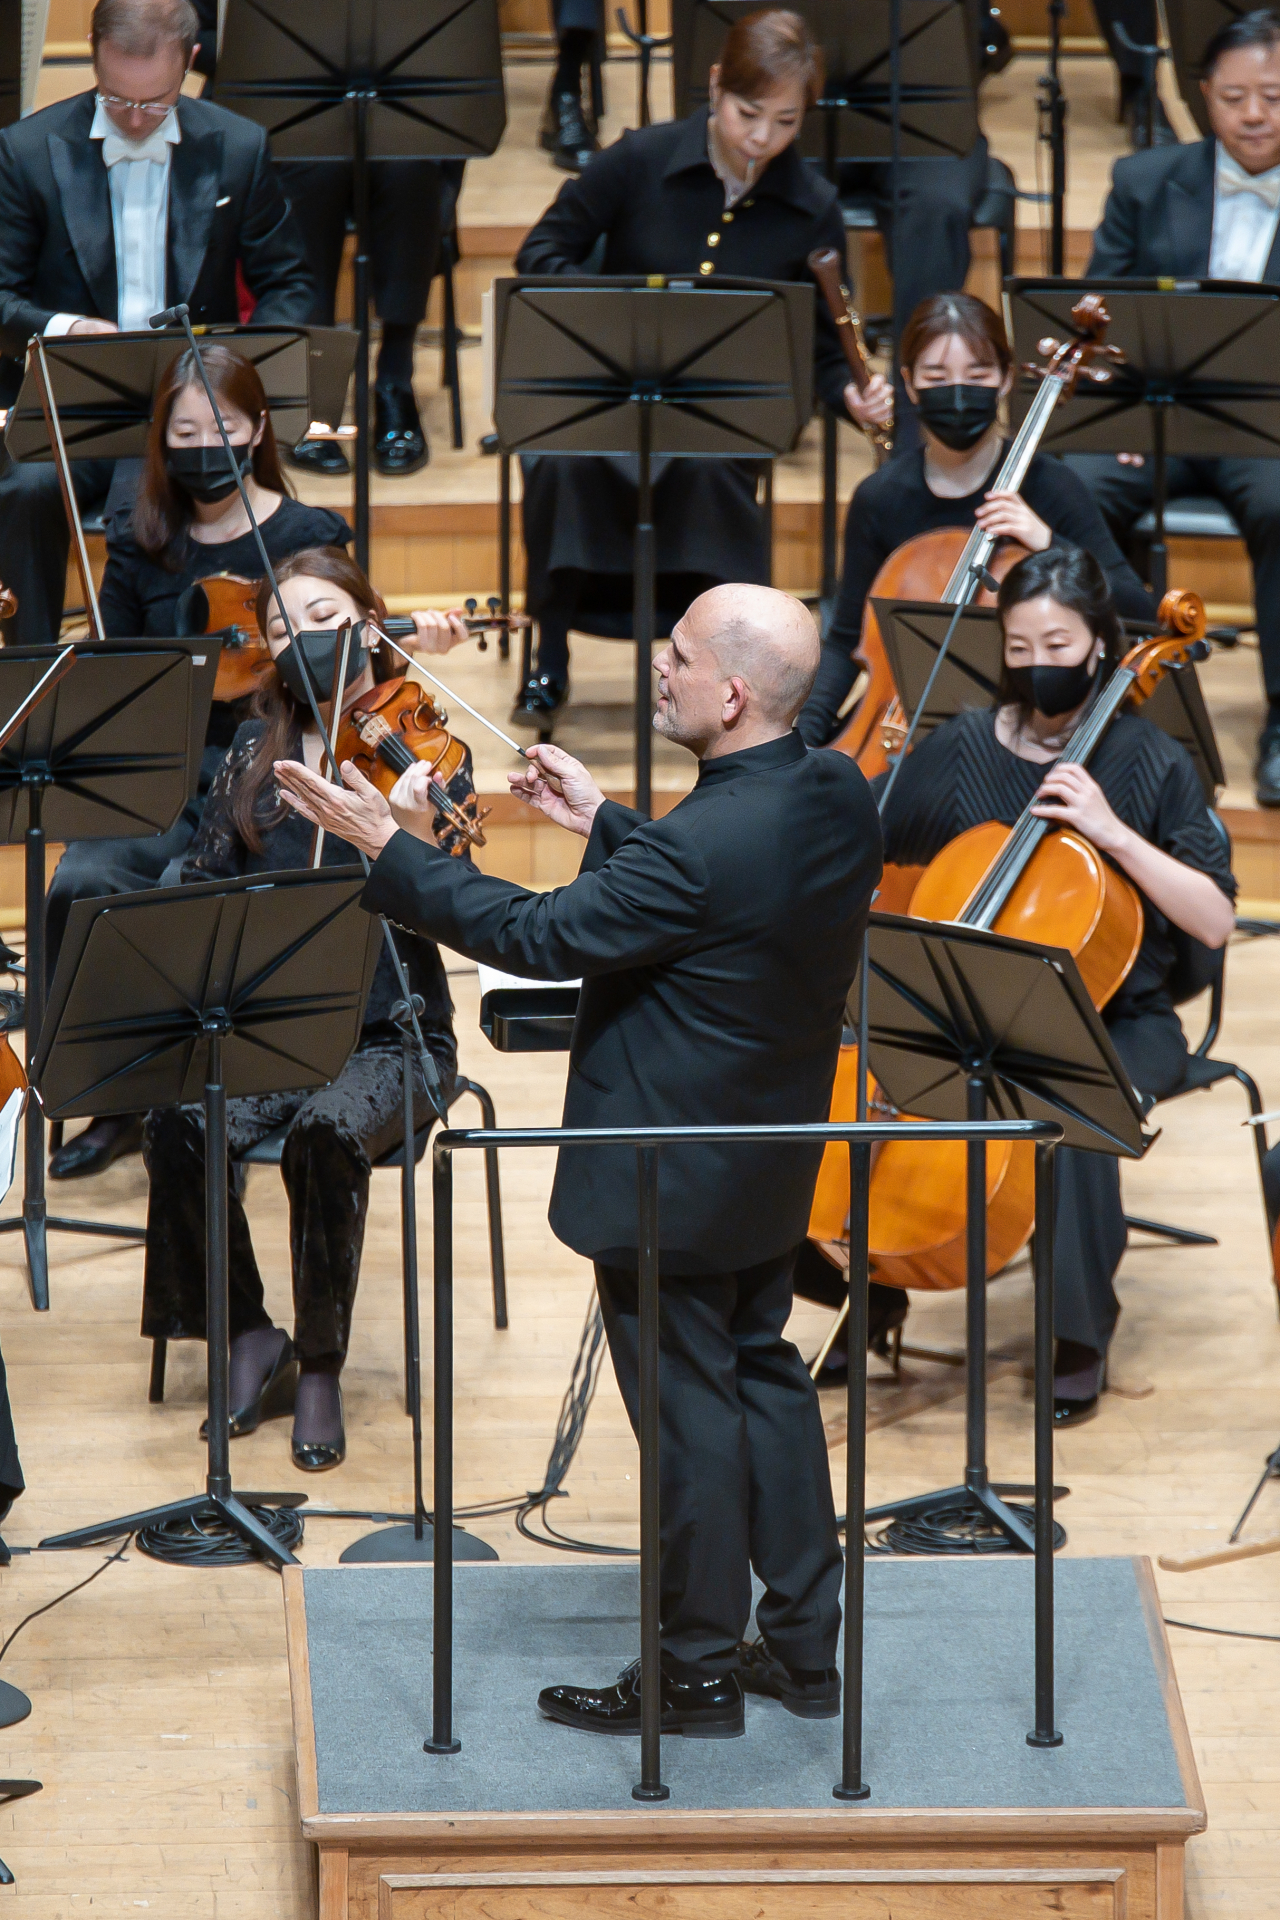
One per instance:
(656, 202)
(57, 242)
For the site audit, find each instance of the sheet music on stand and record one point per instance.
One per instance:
(913, 632)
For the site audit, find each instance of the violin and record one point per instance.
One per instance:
(943, 565)
(226, 603)
(1035, 881)
(824, 264)
(397, 725)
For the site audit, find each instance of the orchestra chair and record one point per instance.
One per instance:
(1191, 517)
(1202, 1070)
(268, 1151)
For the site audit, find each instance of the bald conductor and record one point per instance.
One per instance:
(716, 948)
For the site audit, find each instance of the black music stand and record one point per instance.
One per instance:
(87, 766)
(1192, 380)
(622, 365)
(914, 630)
(967, 1025)
(92, 398)
(204, 993)
(854, 120)
(418, 79)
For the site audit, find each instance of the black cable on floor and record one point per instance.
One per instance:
(59, 1598)
(212, 1543)
(942, 1530)
(579, 1394)
(1228, 1633)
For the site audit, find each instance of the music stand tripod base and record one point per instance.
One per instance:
(403, 1545)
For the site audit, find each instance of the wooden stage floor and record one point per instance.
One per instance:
(161, 1715)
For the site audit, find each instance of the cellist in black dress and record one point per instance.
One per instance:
(1141, 805)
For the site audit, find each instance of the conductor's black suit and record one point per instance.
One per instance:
(716, 948)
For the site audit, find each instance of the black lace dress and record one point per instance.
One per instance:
(334, 1134)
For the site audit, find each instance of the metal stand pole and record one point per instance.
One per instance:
(1158, 557)
(1045, 1734)
(442, 1740)
(360, 194)
(504, 551)
(643, 619)
(977, 1491)
(830, 506)
(33, 1199)
(851, 1785)
(1056, 100)
(650, 1785)
(70, 505)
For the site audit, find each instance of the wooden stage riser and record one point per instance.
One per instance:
(443, 549)
(931, 1881)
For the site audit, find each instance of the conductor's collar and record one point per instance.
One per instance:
(782, 752)
(787, 176)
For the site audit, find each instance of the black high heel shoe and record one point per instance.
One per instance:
(318, 1456)
(275, 1396)
(1079, 1382)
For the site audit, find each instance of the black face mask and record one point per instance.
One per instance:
(958, 416)
(1053, 690)
(320, 652)
(205, 472)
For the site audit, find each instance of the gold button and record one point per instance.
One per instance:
(748, 203)
(706, 267)
(726, 217)
(713, 239)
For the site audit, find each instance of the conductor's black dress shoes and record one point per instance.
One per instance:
(702, 1709)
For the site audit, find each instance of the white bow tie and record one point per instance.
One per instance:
(116, 148)
(1232, 178)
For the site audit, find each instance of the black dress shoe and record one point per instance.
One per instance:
(886, 1313)
(319, 456)
(1079, 1378)
(701, 1709)
(540, 699)
(274, 1399)
(574, 142)
(399, 444)
(317, 1456)
(811, 1694)
(101, 1143)
(1266, 769)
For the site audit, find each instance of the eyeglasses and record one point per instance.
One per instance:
(156, 108)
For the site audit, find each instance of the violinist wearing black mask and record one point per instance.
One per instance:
(957, 370)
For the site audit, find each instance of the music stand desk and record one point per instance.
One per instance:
(643, 366)
(199, 994)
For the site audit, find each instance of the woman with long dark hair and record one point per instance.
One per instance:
(1141, 805)
(187, 523)
(335, 1133)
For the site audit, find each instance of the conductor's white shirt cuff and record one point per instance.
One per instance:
(60, 323)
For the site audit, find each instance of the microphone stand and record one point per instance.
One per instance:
(1053, 130)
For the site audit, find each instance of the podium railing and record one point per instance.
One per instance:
(860, 1137)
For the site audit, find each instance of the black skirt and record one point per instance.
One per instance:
(580, 518)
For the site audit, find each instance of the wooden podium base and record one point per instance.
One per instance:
(625, 1862)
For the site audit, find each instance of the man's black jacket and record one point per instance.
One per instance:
(57, 242)
(1158, 220)
(716, 948)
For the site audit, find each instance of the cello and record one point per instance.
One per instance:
(1035, 881)
(942, 565)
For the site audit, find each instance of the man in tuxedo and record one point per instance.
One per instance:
(114, 204)
(1209, 211)
(716, 947)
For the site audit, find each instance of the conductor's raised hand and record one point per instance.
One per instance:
(559, 786)
(356, 813)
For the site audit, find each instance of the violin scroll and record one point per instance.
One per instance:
(1183, 612)
(1070, 360)
(1183, 617)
